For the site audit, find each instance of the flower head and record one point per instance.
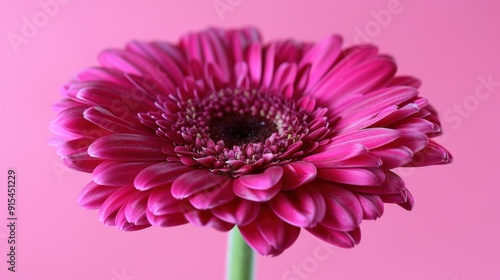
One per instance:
(224, 130)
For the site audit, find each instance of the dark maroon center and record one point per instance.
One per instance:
(236, 129)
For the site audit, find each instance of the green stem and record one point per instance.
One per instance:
(240, 258)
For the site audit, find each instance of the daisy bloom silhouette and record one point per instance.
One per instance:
(223, 130)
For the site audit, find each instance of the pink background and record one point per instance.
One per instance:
(452, 234)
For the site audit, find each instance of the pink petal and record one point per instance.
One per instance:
(405, 81)
(115, 120)
(143, 88)
(370, 138)
(93, 195)
(110, 207)
(293, 151)
(256, 241)
(239, 212)
(302, 207)
(341, 239)
(135, 209)
(393, 157)
(343, 210)
(196, 181)
(241, 40)
(353, 176)
(263, 181)
(307, 103)
(64, 104)
(215, 76)
(326, 154)
(215, 51)
(241, 75)
(284, 76)
(372, 205)
(432, 154)
(421, 125)
(413, 139)
(353, 56)
(81, 161)
(302, 81)
(133, 63)
(391, 185)
(316, 135)
(298, 173)
(168, 220)
(403, 198)
(269, 235)
(268, 67)
(115, 96)
(80, 144)
(175, 53)
(93, 74)
(364, 160)
(321, 57)
(206, 47)
(115, 173)
(237, 45)
(72, 120)
(254, 194)
(409, 203)
(161, 174)
(213, 197)
(166, 63)
(122, 223)
(205, 218)
(119, 60)
(370, 104)
(128, 147)
(363, 78)
(391, 115)
(289, 51)
(161, 202)
(254, 61)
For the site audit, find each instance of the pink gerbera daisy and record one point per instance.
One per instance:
(224, 130)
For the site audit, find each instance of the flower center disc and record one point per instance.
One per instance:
(236, 130)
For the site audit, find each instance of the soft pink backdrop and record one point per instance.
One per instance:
(452, 234)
